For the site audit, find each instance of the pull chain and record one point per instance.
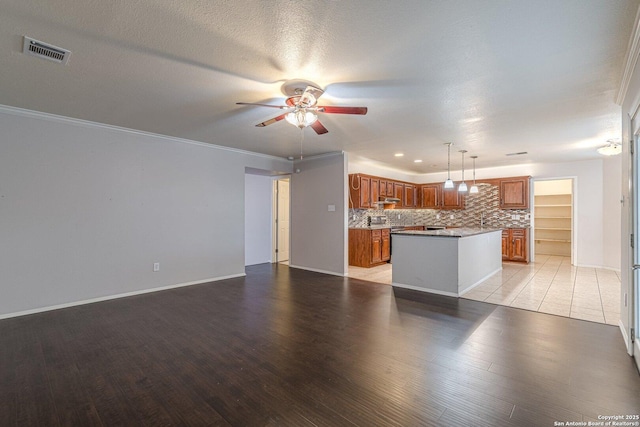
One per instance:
(301, 140)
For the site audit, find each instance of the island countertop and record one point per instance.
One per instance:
(451, 232)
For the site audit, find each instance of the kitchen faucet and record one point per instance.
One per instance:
(481, 219)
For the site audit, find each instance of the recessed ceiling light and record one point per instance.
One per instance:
(417, 161)
(399, 154)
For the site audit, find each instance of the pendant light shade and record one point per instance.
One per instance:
(474, 187)
(462, 188)
(448, 183)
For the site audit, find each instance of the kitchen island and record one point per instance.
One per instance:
(447, 262)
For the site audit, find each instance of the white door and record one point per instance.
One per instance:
(283, 220)
(633, 296)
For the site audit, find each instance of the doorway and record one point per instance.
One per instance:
(281, 208)
(553, 218)
(632, 298)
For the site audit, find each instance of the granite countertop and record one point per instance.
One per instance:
(452, 232)
(372, 227)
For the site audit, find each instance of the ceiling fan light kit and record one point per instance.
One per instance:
(301, 118)
(611, 149)
(302, 103)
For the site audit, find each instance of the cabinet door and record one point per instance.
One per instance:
(506, 240)
(518, 244)
(383, 188)
(386, 245)
(376, 246)
(514, 193)
(365, 192)
(398, 193)
(375, 192)
(451, 198)
(409, 196)
(431, 195)
(390, 188)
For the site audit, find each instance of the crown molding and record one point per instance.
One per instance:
(95, 125)
(631, 59)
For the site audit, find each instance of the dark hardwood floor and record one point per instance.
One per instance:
(294, 348)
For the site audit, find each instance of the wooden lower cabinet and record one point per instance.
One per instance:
(514, 244)
(368, 248)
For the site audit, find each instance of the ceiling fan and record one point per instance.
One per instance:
(302, 106)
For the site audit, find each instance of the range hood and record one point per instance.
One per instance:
(387, 202)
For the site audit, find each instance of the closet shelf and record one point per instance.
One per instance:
(553, 240)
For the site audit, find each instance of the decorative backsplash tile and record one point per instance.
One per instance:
(483, 205)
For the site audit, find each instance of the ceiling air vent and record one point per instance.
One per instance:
(46, 51)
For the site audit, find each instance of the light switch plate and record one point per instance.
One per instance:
(331, 208)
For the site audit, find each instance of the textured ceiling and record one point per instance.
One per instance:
(493, 77)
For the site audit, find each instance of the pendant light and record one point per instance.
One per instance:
(463, 185)
(474, 187)
(448, 183)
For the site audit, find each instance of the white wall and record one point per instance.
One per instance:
(612, 211)
(258, 220)
(589, 198)
(552, 187)
(86, 209)
(318, 236)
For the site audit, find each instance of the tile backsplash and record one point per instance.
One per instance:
(485, 203)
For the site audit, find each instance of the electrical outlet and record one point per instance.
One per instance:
(437, 216)
(398, 216)
(156, 266)
(517, 216)
(451, 216)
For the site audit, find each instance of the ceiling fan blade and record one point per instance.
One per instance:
(271, 121)
(282, 107)
(310, 96)
(319, 127)
(343, 110)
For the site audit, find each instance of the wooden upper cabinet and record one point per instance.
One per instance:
(383, 188)
(409, 196)
(451, 198)
(514, 193)
(389, 188)
(430, 196)
(398, 193)
(359, 191)
(435, 196)
(375, 192)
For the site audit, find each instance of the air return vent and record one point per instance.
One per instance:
(46, 51)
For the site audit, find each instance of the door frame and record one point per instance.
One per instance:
(275, 235)
(574, 216)
(633, 294)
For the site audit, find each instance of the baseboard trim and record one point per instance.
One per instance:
(316, 270)
(625, 336)
(602, 267)
(429, 291)
(480, 281)
(116, 296)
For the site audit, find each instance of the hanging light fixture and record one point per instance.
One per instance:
(474, 187)
(463, 185)
(301, 118)
(611, 149)
(448, 183)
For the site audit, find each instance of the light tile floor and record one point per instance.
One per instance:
(550, 285)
